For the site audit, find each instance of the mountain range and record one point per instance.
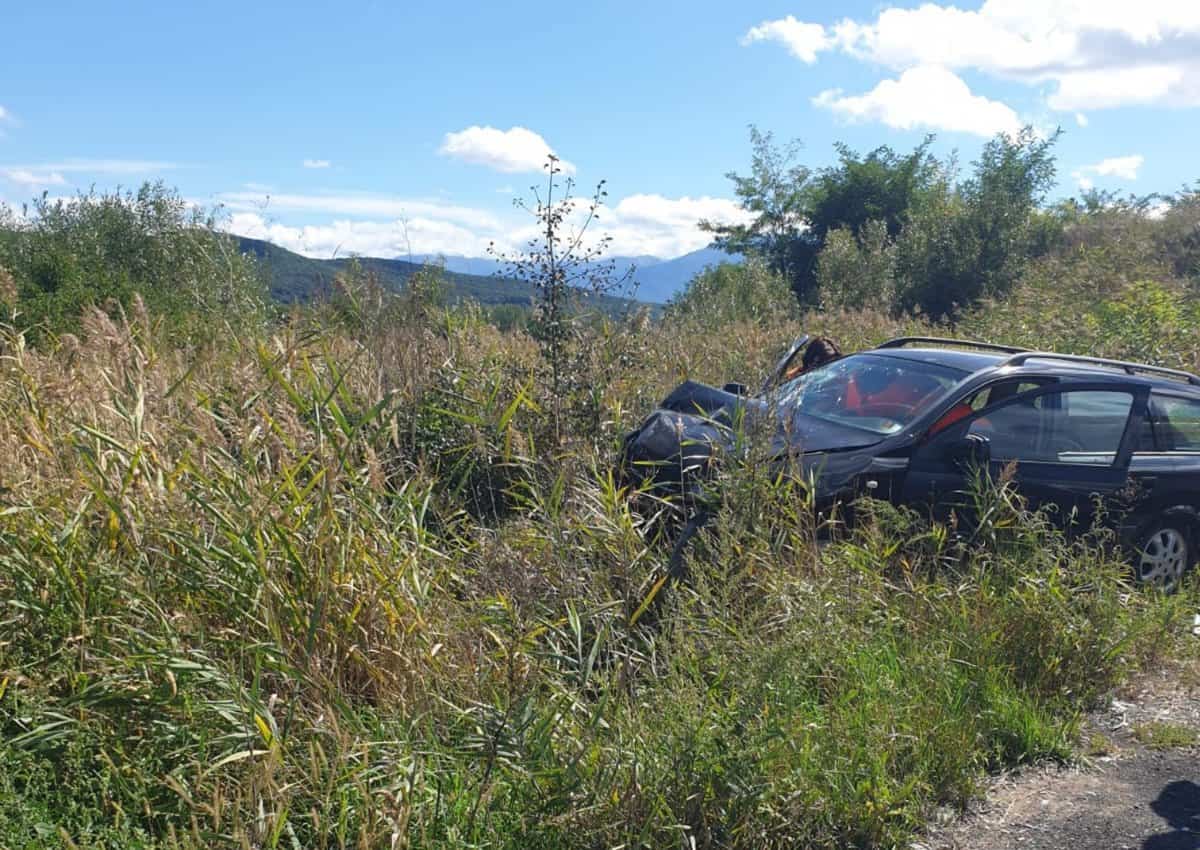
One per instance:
(294, 277)
(657, 280)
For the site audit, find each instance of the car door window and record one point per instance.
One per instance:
(1003, 390)
(1176, 423)
(1078, 427)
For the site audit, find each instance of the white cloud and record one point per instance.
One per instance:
(641, 224)
(317, 163)
(664, 227)
(1081, 119)
(1108, 87)
(363, 206)
(418, 235)
(1125, 167)
(803, 40)
(1092, 54)
(33, 179)
(924, 97)
(1122, 167)
(511, 151)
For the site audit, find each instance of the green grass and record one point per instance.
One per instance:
(1160, 735)
(238, 613)
(337, 583)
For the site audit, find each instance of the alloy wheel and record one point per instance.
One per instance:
(1164, 558)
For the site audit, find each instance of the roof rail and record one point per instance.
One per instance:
(901, 341)
(1131, 368)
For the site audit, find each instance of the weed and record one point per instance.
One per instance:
(1160, 735)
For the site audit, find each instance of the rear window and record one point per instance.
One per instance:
(1175, 422)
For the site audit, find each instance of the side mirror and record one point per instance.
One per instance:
(972, 450)
(736, 389)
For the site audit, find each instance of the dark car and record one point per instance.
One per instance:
(913, 419)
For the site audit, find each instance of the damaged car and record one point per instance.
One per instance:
(914, 419)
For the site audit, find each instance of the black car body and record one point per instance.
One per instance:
(914, 419)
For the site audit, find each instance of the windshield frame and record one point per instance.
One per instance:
(786, 397)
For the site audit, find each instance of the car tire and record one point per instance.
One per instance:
(1164, 553)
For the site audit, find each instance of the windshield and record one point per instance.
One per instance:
(870, 392)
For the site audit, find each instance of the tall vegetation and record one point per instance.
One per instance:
(564, 266)
(342, 580)
(251, 601)
(99, 249)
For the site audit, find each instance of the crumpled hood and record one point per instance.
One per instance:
(702, 409)
(676, 443)
(806, 434)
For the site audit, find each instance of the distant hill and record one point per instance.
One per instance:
(295, 278)
(658, 280)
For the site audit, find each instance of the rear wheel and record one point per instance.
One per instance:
(1164, 554)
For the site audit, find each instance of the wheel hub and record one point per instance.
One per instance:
(1163, 558)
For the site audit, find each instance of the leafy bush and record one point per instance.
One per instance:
(729, 293)
(100, 249)
(858, 272)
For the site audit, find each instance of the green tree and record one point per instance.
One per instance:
(777, 193)
(1012, 177)
(880, 186)
(101, 248)
(971, 241)
(794, 209)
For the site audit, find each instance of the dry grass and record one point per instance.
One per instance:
(335, 585)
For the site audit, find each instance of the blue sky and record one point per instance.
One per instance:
(380, 128)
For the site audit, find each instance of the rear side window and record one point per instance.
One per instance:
(1176, 423)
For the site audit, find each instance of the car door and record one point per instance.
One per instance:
(1067, 444)
(1165, 469)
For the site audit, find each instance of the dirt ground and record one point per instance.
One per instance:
(1137, 786)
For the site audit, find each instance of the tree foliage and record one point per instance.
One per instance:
(795, 209)
(101, 248)
(973, 240)
(880, 186)
(729, 293)
(777, 193)
(943, 244)
(856, 272)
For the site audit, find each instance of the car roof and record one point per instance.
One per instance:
(964, 361)
(978, 361)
